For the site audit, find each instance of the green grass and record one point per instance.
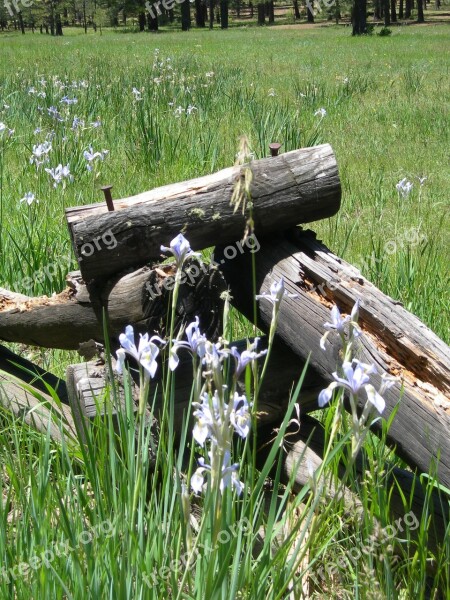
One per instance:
(387, 118)
(389, 121)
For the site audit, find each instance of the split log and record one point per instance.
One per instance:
(141, 298)
(296, 187)
(396, 341)
(86, 383)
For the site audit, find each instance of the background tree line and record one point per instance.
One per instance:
(51, 16)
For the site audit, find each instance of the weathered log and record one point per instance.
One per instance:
(86, 383)
(28, 372)
(141, 298)
(36, 408)
(296, 187)
(305, 454)
(396, 341)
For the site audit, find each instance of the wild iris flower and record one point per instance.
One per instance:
(180, 249)
(60, 173)
(356, 377)
(195, 344)
(404, 187)
(145, 353)
(91, 156)
(342, 325)
(227, 475)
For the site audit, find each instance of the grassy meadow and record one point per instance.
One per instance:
(170, 107)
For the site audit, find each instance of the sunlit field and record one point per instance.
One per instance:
(140, 111)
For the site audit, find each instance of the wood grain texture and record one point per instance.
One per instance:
(395, 340)
(36, 408)
(86, 383)
(139, 298)
(296, 187)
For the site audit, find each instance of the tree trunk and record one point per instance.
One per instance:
(393, 11)
(152, 22)
(199, 13)
(271, 12)
(21, 25)
(59, 30)
(224, 14)
(185, 16)
(296, 187)
(387, 14)
(141, 20)
(408, 8)
(359, 23)
(400, 10)
(296, 11)
(261, 13)
(393, 339)
(310, 11)
(211, 14)
(420, 15)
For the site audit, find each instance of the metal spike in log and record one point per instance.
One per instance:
(396, 341)
(296, 187)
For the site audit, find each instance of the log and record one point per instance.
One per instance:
(74, 316)
(86, 383)
(396, 341)
(306, 450)
(36, 409)
(296, 187)
(28, 372)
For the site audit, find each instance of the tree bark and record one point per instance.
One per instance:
(400, 10)
(393, 11)
(141, 298)
(185, 16)
(310, 11)
(296, 11)
(359, 21)
(394, 340)
(199, 13)
(387, 14)
(224, 14)
(261, 13)
(420, 15)
(296, 187)
(408, 8)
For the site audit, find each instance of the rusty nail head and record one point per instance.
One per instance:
(274, 148)
(106, 189)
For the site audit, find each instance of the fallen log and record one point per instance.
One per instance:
(296, 187)
(141, 298)
(36, 408)
(88, 381)
(28, 372)
(396, 341)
